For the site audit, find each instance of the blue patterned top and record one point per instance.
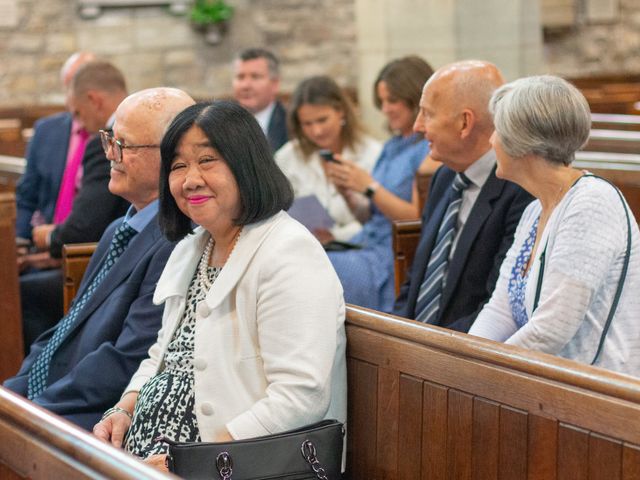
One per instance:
(519, 278)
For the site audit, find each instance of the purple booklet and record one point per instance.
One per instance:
(310, 212)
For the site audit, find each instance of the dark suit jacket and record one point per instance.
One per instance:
(277, 129)
(112, 334)
(483, 244)
(46, 159)
(94, 207)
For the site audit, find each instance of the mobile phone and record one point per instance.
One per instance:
(327, 156)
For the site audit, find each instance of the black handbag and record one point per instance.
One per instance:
(311, 452)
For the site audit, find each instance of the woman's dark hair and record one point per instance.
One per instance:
(323, 90)
(237, 137)
(405, 78)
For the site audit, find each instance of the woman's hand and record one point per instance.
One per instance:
(347, 175)
(113, 428)
(158, 462)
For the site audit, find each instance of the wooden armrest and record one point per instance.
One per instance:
(75, 258)
(406, 235)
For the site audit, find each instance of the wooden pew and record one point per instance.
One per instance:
(38, 445)
(11, 348)
(429, 403)
(11, 169)
(11, 142)
(612, 121)
(615, 141)
(75, 258)
(406, 235)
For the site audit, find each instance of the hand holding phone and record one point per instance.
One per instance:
(327, 156)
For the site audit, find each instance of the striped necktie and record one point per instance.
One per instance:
(39, 371)
(428, 303)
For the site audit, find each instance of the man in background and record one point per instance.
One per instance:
(256, 81)
(54, 152)
(94, 93)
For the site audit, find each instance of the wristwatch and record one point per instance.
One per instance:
(371, 190)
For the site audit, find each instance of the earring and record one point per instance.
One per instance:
(343, 122)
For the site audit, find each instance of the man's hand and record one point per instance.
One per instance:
(41, 234)
(40, 260)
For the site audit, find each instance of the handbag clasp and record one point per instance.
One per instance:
(224, 464)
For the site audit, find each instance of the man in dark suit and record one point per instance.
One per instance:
(470, 216)
(79, 368)
(95, 91)
(256, 81)
(48, 157)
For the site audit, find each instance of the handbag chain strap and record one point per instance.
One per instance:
(224, 463)
(309, 453)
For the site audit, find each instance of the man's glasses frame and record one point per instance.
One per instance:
(117, 146)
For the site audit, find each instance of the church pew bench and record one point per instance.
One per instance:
(11, 348)
(11, 142)
(612, 121)
(406, 235)
(430, 403)
(11, 169)
(75, 258)
(615, 141)
(38, 445)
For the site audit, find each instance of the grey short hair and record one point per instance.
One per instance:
(542, 115)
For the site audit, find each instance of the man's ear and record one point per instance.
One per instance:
(468, 122)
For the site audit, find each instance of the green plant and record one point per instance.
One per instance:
(206, 12)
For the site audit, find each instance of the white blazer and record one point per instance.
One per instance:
(269, 350)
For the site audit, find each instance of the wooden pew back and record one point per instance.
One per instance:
(11, 348)
(406, 235)
(38, 445)
(429, 403)
(616, 141)
(75, 258)
(11, 169)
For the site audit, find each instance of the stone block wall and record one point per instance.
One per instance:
(154, 47)
(596, 47)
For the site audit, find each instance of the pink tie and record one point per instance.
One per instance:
(68, 185)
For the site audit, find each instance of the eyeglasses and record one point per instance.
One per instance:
(117, 146)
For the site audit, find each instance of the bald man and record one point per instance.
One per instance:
(79, 368)
(470, 216)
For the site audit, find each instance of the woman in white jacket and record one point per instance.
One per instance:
(252, 340)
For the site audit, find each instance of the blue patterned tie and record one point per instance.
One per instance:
(428, 303)
(40, 369)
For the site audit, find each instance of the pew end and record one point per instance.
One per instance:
(75, 258)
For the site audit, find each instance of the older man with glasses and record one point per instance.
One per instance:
(79, 367)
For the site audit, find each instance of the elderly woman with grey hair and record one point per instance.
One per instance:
(574, 267)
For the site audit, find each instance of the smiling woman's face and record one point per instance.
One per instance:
(203, 185)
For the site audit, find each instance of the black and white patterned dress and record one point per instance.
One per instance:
(165, 405)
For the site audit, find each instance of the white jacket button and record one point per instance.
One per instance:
(199, 363)
(206, 408)
(203, 309)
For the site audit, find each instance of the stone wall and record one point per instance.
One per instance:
(596, 47)
(154, 47)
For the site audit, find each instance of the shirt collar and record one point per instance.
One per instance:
(479, 171)
(139, 220)
(263, 116)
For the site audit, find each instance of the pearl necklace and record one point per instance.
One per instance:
(203, 265)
